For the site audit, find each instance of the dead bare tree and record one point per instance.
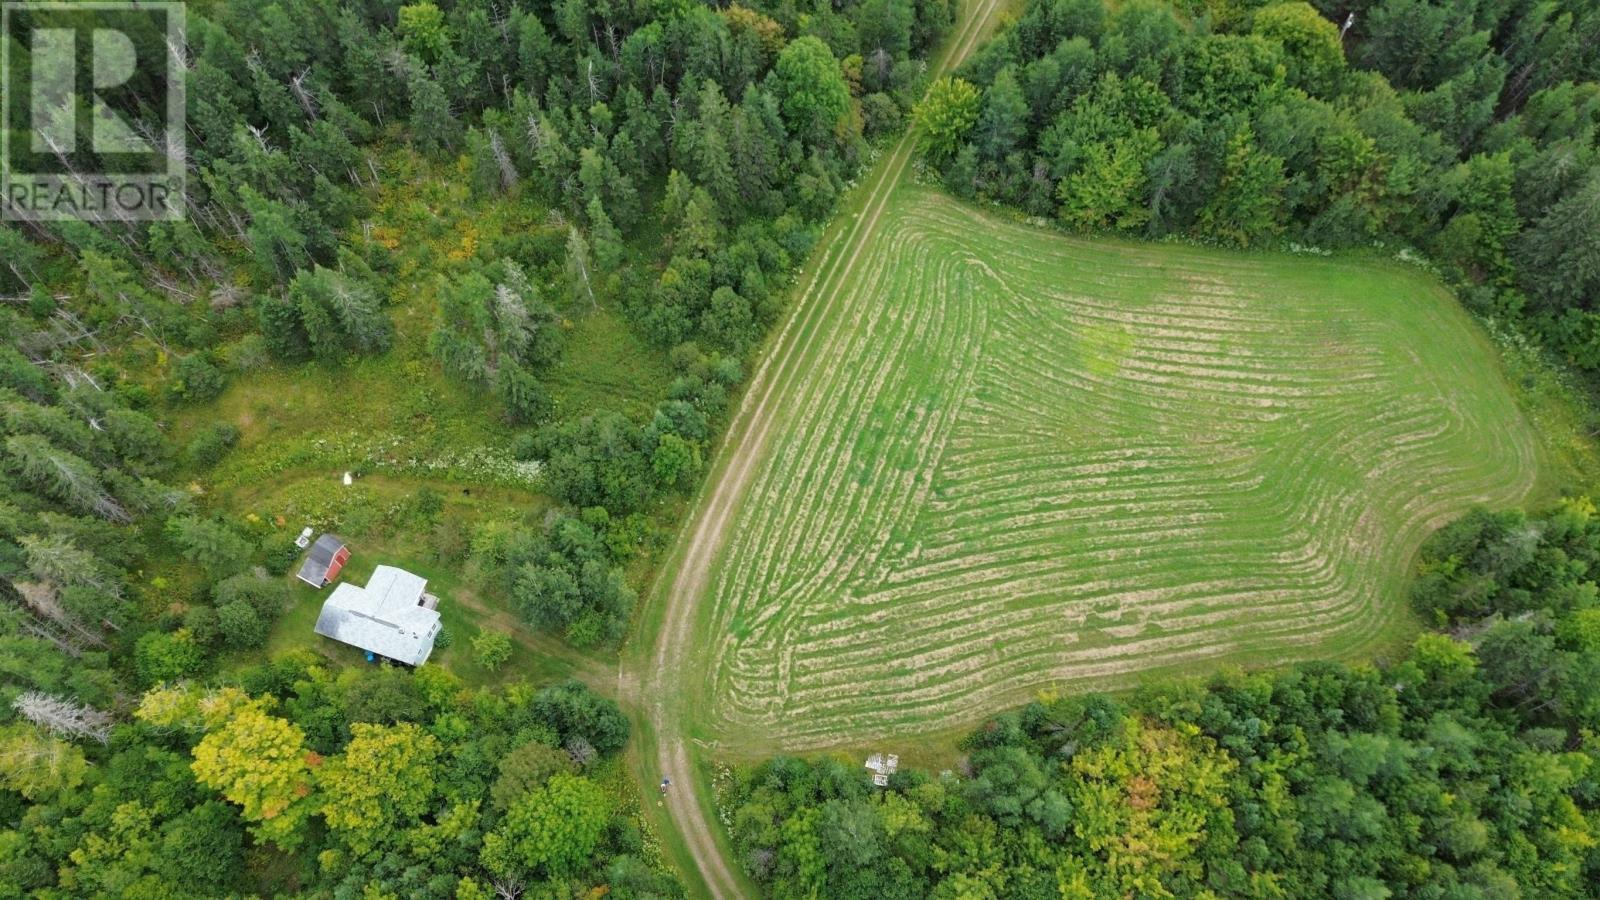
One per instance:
(882, 64)
(581, 751)
(226, 296)
(260, 134)
(63, 717)
(38, 630)
(508, 887)
(534, 128)
(297, 85)
(75, 377)
(672, 118)
(66, 476)
(502, 159)
(14, 611)
(41, 606)
(399, 63)
(578, 262)
(170, 287)
(179, 51)
(73, 331)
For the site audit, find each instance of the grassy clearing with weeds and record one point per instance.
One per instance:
(401, 426)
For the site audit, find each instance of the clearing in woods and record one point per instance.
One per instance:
(1011, 459)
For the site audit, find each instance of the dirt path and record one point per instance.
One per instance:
(593, 672)
(662, 691)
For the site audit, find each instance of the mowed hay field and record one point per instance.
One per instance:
(1012, 460)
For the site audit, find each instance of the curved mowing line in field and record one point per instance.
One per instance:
(1019, 459)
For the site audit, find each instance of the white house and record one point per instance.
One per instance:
(393, 616)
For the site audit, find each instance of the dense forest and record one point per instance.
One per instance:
(673, 161)
(291, 778)
(685, 157)
(1469, 131)
(1466, 768)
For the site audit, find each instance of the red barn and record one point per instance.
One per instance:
(328, 555)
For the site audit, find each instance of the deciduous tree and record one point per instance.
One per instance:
(551, 831)
(946, 114)
(810, 89)
(261, 763)
(381, 784)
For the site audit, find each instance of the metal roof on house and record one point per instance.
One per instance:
(385, 617)
(322, 558)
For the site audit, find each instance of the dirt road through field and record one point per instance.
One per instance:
(662, 706)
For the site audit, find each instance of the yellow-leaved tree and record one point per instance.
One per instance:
(1144, 804)
(380, 785)
(36, 765)
(260, 762)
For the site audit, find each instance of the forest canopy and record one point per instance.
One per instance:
(1467, 130)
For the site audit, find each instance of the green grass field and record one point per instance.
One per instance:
(1016, 460)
